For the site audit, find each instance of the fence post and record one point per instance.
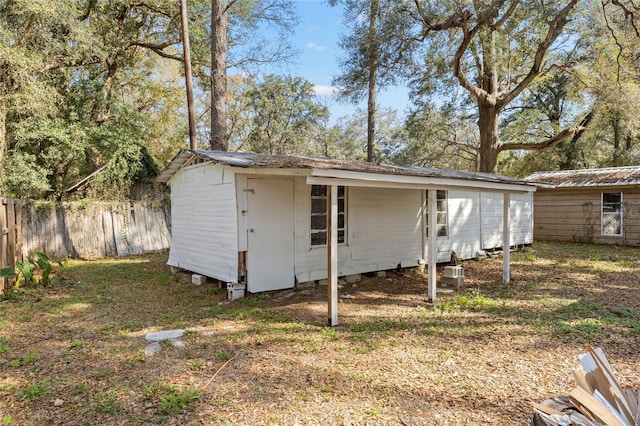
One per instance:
(19, 257)
(10, 237)
(3, 252)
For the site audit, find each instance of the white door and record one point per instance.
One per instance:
(270, 253)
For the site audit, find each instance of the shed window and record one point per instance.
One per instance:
(442, 213)
(319, 215)
(612, 213)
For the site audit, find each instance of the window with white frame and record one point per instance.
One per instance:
(319, 215)
(612, 214)
(442, 213)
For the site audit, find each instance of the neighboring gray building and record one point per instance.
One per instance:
(589, 205)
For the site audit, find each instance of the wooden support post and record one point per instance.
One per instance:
(506, 239)
(432, 246)
(11, 238)
(3, 245)
(332, 255)
(17, 204)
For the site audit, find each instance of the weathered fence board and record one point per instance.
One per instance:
(95, 230)
(10, 236)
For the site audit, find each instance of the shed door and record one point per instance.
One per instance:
(270, 253)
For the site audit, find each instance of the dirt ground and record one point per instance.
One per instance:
(73, 353)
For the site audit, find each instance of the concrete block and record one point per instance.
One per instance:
(457, 281)
(353, 278)
(198, 279)
(481, 255)
(306, 284)
(453, 271)
(235, 291)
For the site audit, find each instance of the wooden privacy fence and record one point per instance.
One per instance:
(10, 236)
(96, 229)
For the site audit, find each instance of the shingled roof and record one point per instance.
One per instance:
(586, 178)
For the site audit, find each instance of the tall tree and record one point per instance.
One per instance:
(219, 45)
(374, 55)
(498, 49)
(282, 116)
(234, 24)
(81, 83)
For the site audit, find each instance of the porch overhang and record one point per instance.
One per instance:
(334, 178)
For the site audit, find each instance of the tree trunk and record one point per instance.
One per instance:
(488, 112)
(219, 75)
(373, 65)
(489, 137)
(615, 122)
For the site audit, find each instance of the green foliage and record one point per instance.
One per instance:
(175, 400)
(4, 346)
(282, 116)
(105, 402)
(7, 273)
(467, 302)
(35, 390)
(35, 270)
(23, 178)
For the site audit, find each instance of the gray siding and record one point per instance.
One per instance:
(575, 215)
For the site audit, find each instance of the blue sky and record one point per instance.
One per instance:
(317, 38)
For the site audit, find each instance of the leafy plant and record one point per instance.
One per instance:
(106, 402)
(35, 390)
(7, 273)
(35, 270)
(176, 400)
(4, 345)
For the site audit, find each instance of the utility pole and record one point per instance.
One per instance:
(193, 144)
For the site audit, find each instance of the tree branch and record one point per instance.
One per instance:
(570, 132)
(507, 15)
(628, 14)
(457, 20)
(555, 29)
(229, 6)
(159, 49)
(457, 67)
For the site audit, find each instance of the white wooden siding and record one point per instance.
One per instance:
(383, 230)
(521, 219)
(204, 222)
(384, 226)
(464, 226)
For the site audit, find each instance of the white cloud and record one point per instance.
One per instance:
(316, 47)
(324, 90)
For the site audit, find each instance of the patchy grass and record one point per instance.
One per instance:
(477, 356)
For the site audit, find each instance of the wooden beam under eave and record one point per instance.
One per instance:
(506, 239)
(432, 245)
(332, 255)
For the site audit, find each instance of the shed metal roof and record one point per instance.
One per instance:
(323, 167)
(586, 178)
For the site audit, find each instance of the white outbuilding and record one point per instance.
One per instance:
(272, 221)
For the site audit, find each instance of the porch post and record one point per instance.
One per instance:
(332, 255)
(506, 239)
(432, 246)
